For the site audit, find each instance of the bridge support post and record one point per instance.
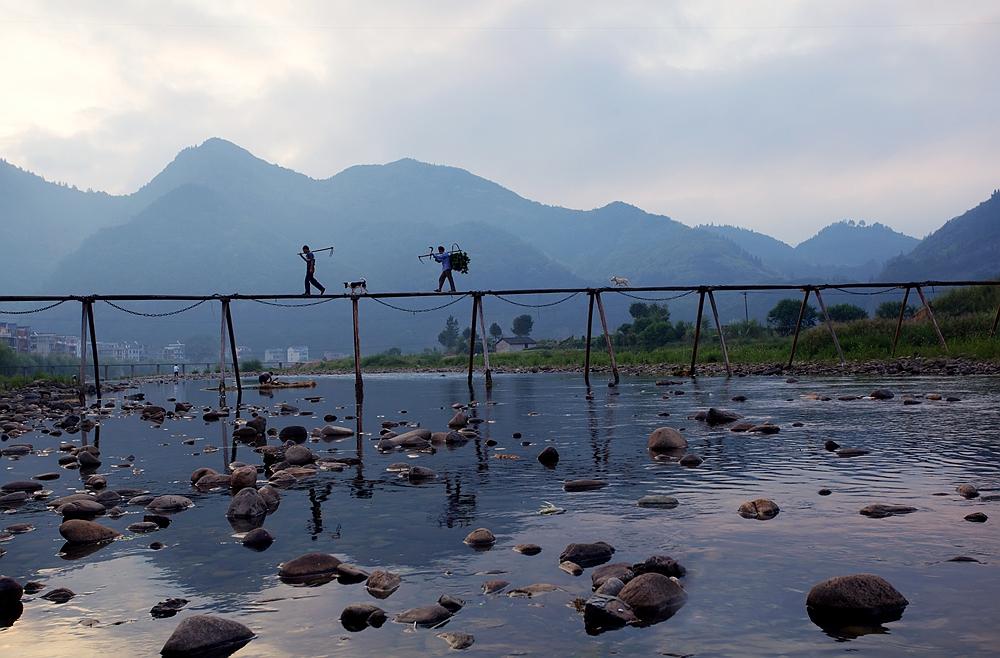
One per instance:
(829, 326)
(93, 346)
(607, 340)
(722, 337)
(486, 351)
(590, 334)
(798, 326)
(899, 321)
(232, 347)
(83, 353)
(930, 314)
(472, 336)
(697, 330)
(359, 384)
(222, 352)
(996, 321)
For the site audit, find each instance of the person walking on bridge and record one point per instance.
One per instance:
(310, 260)
(444, 258)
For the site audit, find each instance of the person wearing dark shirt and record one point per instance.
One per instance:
(445, 259)
(310, 260)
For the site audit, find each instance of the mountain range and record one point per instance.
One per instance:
(219, 220)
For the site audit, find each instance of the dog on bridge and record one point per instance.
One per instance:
(359, 287)
(621, 282)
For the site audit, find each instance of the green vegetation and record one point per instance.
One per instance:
(782, 317)
(522, 325)
(846, 313)
(251, 365)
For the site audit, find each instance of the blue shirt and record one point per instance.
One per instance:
(444, 259)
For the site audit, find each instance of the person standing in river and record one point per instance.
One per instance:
(444, 258)
(310, 260)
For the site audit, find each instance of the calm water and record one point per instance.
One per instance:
(746, 581)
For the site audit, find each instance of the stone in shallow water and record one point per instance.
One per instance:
(603, 612)
(528, 549)
(967, 491)
(169, 503)
(381, 583)
(78, 531)
(572, 568)
(494, 586)
(258, 539)
(976, 517)
(480, 538)
(205, 634)
(584, 485)
(619, 570)
(309, 568)
(653, 597)
(761, 509)
(247, 504)
(428, 615)
(167, 608)
(854, 599)
(60, 595)
(359, 616)
(548, 457)
(852, 452)
(665, 439)
(881, 511)
(457, 640)
(588, 555)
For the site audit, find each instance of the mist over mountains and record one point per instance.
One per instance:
(219, 220)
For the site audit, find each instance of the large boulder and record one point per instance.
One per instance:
(271, 497)
(720, 416)
(619, 570)
(298, 455)
(247, 504)
(661, 564)
(666, 439)
(169, 503)
(78, 531)
(243, 477)
(881, 510)
(653, 596)
(855, 599)
(309, 568)
(480, 538)
(333, 431)
(359, 616)
(296, 433)
(381, 584)
(428, 615)
(458, 420)
(761, 509)
(81, 509)
(201, 635)
(548, 457)
(10, 591)
(603, 612)
(587, 555)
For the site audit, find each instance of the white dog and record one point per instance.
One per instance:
(357, 287)
(621, 282)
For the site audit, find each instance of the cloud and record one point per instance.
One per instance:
(780, 116)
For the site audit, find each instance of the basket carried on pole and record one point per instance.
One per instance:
(459, 259)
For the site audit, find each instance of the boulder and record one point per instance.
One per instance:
(859, 598)
(976, 517)
(247, 504)
(480, 538)
(691, 460)
(214, 481)
(428, 615)
(458, 420)
(967, 491)
(528, 549)
(452, 603)
(661, 564)
(271, 497)
(657, 501)
(604, 612)
(420, 474)
(548, 457)
(359, 616)
(299, 455)
(296, 433)
(199, 473)
(243, 477)
(610, 587)
(335, 431)
(258, 423)
(653, 597)
(584, 485)
(494, 586)
(169, 503)
(381, 584)
(588, 555)
(761, 509)
(81, 509)
(619, 570)
(764, 428)
(572, 568)
(258, 539)
(666, 439)
(78, 531)
(881, 394)
(456, 640)
(720, 416)
(852, 452)
(206, 635)
(26, 486)
(168, 608)
(311, 567)
(348, 574)
(881, 511)
(10, 592)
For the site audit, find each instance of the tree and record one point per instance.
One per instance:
(782, 317)
(449, 337)
(496, 333)
(847, 313)
(522, 325)
(890, 310)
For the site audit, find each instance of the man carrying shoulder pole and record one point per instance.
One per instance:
(310, 260)
(444, 258)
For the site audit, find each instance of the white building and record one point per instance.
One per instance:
(174, 352)
(515, 344)
(51, 344)
(272, 356)
(298, 354)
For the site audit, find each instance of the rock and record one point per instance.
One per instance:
(296, 433)
(976, 517)
(831, 445)
(32, 587)
(588, 555)
(96, 482)
(348, 574)
(610, 587)
(205, 634)
(456, 640)
(258, 423)
(282, 480)
(744, 426)
(691, 460)
(584, 485)
(665, 439)
(881, 394)
(967, 491)
(258, 539)
(20, 528)
(602, 574)
(480, 538)
(721, 416)
(26, 486)
(245, 433)
(87, 460)
(494, 586)
(247, 504)
(452, 603)
(311, 567)
(78, 531)
(381, 583)
(572, 568)
(359, 616)
(335, 431)
(764, 428)
(957, 558)
(661, 564)
(160, 521)
(860, 598)
(653, 596)
(167, 608)
(81, 509)
(428, 615)
(60, 595)
(852, 452)
(824, 492)
(458, 420)
(298, 455)
(243, 477)
(169, 503)
(143, 527)
(528, 549)
(10, 592)
(271, 497)
(761, 509)
(420, 474)
(548, 457)
(603, 612)
(45, 477)
(214, 481)
(199, 473)
(881, 511)
(657, 501)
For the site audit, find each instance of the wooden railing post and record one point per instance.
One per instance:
(798, 326)
(722, 337)
(359, 384)
(590, 333)
(829, 326)
(486, 351)
(697, 330)
(472, 336)
(930, 314)
(607, 340)
(899, 321)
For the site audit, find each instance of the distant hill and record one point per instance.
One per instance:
(966, 247)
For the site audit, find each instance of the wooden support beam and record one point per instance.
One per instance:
(829, 326)
(996, 321)
(83, 354)
(359, 384)
(486, 351)
(899, 321)
(697, 330)
(930, 314)
(222, 352)
(472, 337)
(590, 335)
(93, 348)
(722, 337)
(607, 340)
(798, 326)
(232, 348)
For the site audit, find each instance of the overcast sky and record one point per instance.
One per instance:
(777, 116)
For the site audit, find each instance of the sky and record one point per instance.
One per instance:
(773, 115)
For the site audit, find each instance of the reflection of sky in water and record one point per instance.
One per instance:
(747, 580)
